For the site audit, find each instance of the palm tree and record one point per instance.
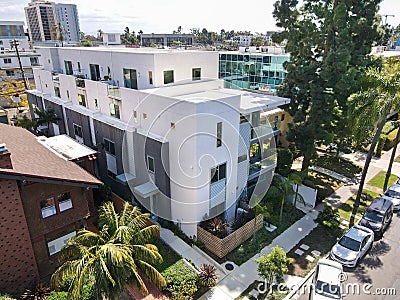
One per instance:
(371, 108)
(58, 33)
(286, 187)
(46, 117)
(112, 258)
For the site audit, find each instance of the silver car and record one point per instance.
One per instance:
(352, 246)
(393, 194)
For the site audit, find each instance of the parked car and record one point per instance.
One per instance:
(393, 194)
(378, 216)
(326, 282)
(352, 246)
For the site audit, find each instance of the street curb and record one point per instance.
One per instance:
(299, 285)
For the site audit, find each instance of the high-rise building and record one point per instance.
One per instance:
(45, 18)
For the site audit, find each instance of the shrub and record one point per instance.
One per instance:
(208, 275)
(284, 161)
(182, 281)
(391, 137)
(330, 219)
(217, 227)
(381, 144)
(242, 218)
(388, 128)
(6, 297)
(58, 296)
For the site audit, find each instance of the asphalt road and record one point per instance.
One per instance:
(378, 274)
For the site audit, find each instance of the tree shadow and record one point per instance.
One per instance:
(360, 273)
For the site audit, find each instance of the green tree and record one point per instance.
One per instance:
(286, 188)
(129, 38)
(59, 33)
(284, 161)
(26, 123)
(112, 258)
(273, 265)
(371, 108)
(46, 117)
(329, 44)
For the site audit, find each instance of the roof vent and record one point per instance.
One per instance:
(3, 148)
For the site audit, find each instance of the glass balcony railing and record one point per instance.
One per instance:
(267, 163)
(112, 89)
(264, 130)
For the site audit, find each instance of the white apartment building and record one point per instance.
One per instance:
(170, 136)
(43, 16)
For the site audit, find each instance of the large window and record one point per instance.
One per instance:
(55, 245)
(168, 76)
(196, 73)
(109, 146)
(150, 164)
(81, 100)
(218, 173)
(95, 72)
(219, 134)
(130, 79)
(68, 67)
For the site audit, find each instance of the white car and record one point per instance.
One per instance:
(352, 246)
(393, 194)
(327, 280)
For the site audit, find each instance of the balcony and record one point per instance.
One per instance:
(80, 83)
(264, 131)
(259, 166)
(113, 90)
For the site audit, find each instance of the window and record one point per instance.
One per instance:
(67, 94)
(242, 158)
(96, 104)
(34, 61)
(57, 91)
(1, 42)
(81, 100)
(55, 245)
(78, 131)
(48, 207)
(130, 79)
(109, 146)
(135, 116)
(196, 73)
(218, 173)
(94, 72)
(168, 76)
(150, 77)
(172, 125)
(7, 60)
(282, 117)
(144, 116)
(64, 201)
(10, 72)
(219, 134)
(114, 110)
(79, 66)
(68, 67)
(150, 164)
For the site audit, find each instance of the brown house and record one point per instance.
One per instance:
(44, 200)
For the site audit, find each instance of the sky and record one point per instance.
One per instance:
(164, 16)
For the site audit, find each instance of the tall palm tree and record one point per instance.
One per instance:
(46, 117)
(286, 187)
(371, 108)
(112, 258)
(58, 33)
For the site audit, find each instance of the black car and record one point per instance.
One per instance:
(378, 216)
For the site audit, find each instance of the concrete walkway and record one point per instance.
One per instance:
(330, 173)
(191, 254)
(241, 277)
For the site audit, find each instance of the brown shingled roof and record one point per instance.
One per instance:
(30, 158)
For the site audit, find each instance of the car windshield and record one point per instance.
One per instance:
(373, 216)
(349, 243)
(326, 289)
(392, 194)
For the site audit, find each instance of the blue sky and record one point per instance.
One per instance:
(165, 16)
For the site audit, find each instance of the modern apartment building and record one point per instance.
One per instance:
(252, 68)
(170, 136)
(44, 200)
(166, 40)
(43, 16)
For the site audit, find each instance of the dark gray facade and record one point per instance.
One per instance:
(58, 111)
(74, 117)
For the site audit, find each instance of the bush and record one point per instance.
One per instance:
(182, 281)
(381, 143)
(6, 297)
(330, 219)
(391, 137)
(388, 128)
(58, 296)
(242, 218)
(284, 161)
(208, 275)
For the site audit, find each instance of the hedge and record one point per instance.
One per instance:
(381, 144)
(391, 137)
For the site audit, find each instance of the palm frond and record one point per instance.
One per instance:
(152, 273)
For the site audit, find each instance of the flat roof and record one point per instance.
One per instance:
(66, 147)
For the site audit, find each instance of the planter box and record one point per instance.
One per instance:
(221, 247)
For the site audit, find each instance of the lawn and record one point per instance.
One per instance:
(319, 239)
(346, 208)
(263, 237)
(338, 165)
(170, 257)
(379, 179)
(325, 184)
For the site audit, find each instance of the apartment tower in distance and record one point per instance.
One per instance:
(43, 17)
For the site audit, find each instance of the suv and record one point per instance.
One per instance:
(393, 194)
(378, 216)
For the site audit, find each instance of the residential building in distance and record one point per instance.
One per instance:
(170, 136)
(10, 31)
(253, 68)
(110, 39)
(43, 16)
(242, 40)
(45, 200)
(166, 40)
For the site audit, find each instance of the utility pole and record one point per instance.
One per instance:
(15, 44)
(386, 16)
